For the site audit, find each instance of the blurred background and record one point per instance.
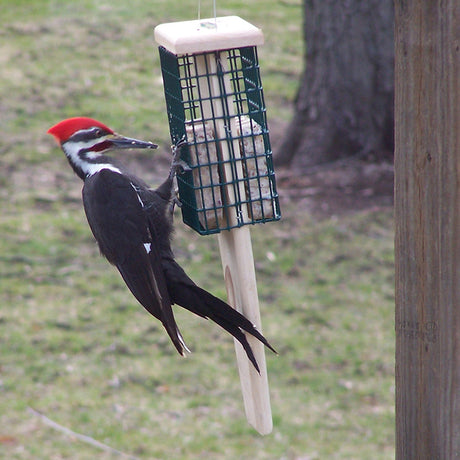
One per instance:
(75, 345)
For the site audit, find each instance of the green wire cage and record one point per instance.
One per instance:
(214, 99)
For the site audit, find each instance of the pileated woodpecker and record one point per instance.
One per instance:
(132, 225)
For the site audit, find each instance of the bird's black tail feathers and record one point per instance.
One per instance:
(204, 304)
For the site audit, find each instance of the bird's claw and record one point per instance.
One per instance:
(175, 202)
(177, 148)
(178, 166)
(181, 142)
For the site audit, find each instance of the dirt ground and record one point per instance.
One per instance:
(334, 189)
(338, 188)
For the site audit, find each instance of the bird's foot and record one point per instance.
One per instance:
(178, 166)
(175, 201)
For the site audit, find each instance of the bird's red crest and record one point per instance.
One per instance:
(65, 128)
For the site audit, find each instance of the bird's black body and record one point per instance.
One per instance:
(133, 225)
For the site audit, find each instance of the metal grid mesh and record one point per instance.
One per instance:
(215, 99)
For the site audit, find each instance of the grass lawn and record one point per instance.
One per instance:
(76, 347)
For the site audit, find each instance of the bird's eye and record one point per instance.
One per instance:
(97, 132)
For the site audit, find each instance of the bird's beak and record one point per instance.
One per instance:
(120, 142)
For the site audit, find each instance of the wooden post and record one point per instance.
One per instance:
(427, 243)
(238, 262)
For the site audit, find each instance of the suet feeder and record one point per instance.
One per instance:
(214, 99)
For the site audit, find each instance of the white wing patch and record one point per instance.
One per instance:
(148, 247)
(138, 196)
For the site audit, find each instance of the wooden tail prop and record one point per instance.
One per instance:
(214, 98)
(240, 282)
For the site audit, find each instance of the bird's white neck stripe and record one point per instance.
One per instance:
(72, 150)
(94, 168)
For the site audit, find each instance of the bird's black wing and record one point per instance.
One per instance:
(115, 214)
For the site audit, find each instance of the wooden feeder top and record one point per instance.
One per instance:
(204, 35)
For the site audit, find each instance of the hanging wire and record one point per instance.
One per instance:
(214, 11)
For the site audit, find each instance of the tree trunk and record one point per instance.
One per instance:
(345, 102)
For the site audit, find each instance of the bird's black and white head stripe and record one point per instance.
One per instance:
(85, 141)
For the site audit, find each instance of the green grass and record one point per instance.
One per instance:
(81, 351)
(74, 343)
